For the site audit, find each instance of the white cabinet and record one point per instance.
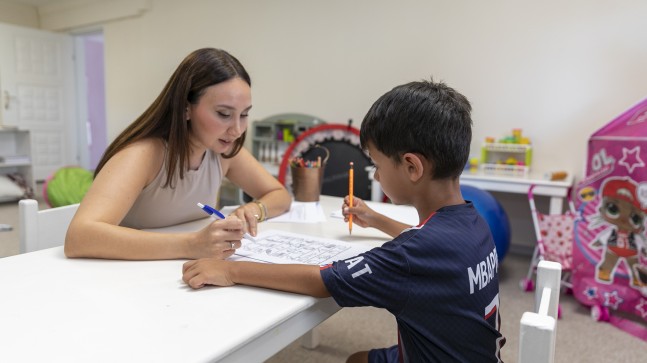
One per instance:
(37, 93)
(15, 155)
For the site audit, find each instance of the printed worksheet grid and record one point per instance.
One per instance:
(297, 249)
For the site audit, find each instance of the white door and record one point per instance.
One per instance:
(37, 91)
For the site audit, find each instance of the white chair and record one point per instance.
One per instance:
(41, 229)
(538, 332)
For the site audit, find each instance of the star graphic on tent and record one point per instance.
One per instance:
(612, 299)
(591, 292)
(642, 308)
(631, 159)
(639, 116)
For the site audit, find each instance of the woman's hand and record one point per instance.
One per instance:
(363, 216)
(248, 213)
(219, 239)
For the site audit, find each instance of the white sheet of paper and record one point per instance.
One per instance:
(402, 213)
(300, 212)
(275, 246)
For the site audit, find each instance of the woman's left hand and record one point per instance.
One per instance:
(249, 214)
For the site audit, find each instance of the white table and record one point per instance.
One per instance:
(556, 190)
(85, 310)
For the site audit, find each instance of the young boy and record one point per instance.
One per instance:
(439, 279)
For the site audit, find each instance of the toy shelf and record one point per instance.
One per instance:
(273, 135)
(503, 169)
(15, 156)
(506, 159)
(506, 148)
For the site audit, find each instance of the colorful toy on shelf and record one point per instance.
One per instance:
(510, 155)
(473, 164)
(516, 135)
(556, 175)
(512, 161)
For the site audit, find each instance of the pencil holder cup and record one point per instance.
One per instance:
(306, 183)
(307, 176)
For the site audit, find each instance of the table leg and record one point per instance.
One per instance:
(376, 189)
(311, 339)
(556, 205)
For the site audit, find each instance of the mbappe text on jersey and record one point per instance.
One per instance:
(483, 272)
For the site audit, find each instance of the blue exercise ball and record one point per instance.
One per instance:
(491, 210)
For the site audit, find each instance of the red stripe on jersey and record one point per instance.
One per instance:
(426, 220)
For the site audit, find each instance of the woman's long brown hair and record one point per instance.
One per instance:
(165, 117)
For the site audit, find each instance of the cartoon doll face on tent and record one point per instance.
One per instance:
(621, 208)
(620, 205)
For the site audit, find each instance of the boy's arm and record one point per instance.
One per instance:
(364, 216)
(390, 226)
(301, 279)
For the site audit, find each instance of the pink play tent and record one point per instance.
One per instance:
(610, 244)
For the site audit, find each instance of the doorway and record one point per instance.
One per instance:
(90, 72)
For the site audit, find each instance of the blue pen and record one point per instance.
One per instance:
(214, 213)
(211, 211)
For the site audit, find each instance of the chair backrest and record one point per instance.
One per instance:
(41, 229)
(537, 333)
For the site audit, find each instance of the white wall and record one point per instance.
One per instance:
(558, 70)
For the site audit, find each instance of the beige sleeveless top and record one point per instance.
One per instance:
(159, 206)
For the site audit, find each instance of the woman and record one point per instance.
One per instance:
(171, 158)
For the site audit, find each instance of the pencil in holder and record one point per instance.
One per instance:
(307, 177)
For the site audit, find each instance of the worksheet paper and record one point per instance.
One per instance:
(275, 246)
(300, 212)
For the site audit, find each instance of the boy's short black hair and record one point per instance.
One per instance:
(423, 117)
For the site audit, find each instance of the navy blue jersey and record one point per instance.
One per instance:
(439, 280)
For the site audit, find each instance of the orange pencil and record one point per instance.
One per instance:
(350, 197)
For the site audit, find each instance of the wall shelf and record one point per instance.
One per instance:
(273, 135)
(15, 155)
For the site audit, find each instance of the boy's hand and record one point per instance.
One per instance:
(206, 271)
(363, 216)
